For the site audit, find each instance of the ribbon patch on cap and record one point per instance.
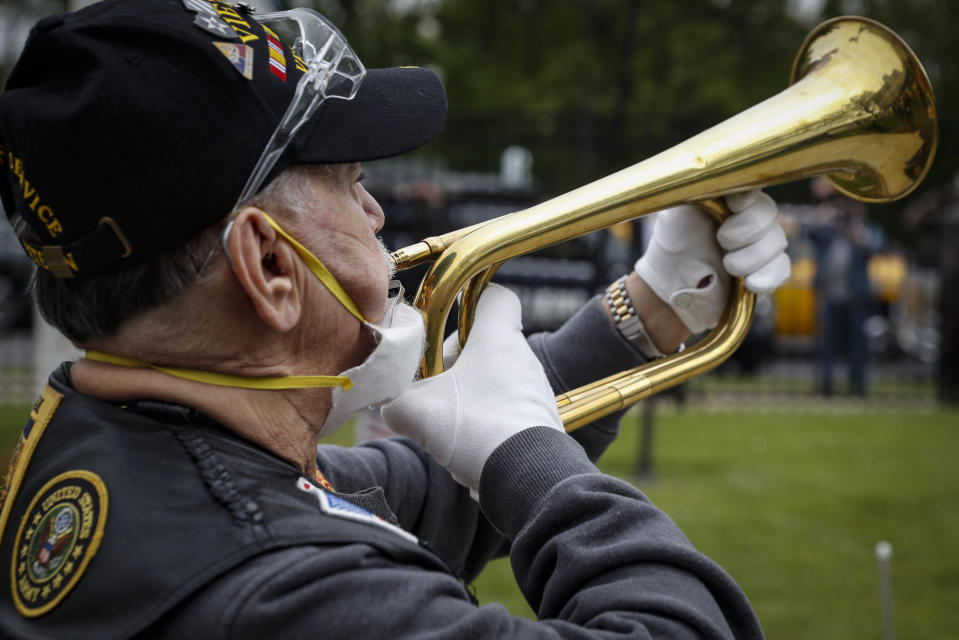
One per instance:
(239, 55)
(58, 536)
(331, 505)
(277, 57)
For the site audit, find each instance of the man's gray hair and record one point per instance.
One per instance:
(84, 309)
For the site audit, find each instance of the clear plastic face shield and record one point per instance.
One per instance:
(334, 72)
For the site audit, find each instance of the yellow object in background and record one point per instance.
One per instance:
(796, 301)
(887, 273)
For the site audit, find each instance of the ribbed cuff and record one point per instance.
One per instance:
(522, 471)
(571, 362)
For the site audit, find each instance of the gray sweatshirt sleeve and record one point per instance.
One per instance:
(592, 551)
(586, 348)
(592, 555)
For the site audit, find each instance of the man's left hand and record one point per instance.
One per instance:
(685, 267)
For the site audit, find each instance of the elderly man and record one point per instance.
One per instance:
(186, 177)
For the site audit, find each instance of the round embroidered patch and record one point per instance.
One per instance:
(59, 534)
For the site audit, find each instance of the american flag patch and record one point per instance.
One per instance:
(332, 505)
(277, 57)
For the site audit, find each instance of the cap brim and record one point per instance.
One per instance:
(394, 111)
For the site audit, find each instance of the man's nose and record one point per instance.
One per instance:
(372, 209)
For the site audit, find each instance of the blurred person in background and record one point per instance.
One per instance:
(191, 192)
(844, 240)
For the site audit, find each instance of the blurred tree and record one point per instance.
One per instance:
(590, 85)
(594, 85)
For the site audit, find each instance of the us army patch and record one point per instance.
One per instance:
(209, 20)
(60, 533)
(331, 505)
(239, 55)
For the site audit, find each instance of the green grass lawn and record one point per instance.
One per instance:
(13, 417)
(792, 505)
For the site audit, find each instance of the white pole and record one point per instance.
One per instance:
(884, 560)
(50, 348)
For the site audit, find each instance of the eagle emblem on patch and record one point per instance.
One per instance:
(60, 533)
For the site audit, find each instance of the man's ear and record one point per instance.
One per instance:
(266, 268)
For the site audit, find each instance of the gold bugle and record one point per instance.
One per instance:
(860, 110)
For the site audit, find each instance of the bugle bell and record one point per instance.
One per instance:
(860, 110)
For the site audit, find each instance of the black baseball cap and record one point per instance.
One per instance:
(131, 125)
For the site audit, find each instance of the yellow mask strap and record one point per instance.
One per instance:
(242, 382)
(319, 270)
(225, 379)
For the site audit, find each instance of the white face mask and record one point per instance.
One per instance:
(387, 371)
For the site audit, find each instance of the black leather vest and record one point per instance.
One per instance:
(120, 516)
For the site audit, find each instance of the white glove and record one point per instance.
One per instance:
(683, 264)
(495, 389)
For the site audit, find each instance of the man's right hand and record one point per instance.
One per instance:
(495, 389)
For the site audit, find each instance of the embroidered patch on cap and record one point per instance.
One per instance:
(331, 505)
(209, 20)
(277, 57)
(59, 534)
(239, 55)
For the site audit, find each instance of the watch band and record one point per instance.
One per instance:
(627, 321)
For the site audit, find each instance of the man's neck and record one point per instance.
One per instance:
(278, 421)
